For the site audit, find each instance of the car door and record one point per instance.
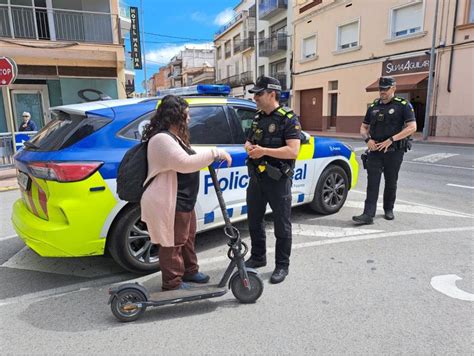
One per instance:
(211, 126)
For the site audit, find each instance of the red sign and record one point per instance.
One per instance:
(8, 71)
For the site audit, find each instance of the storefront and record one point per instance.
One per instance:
(38, 88)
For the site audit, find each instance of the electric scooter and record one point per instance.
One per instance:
(129, 301)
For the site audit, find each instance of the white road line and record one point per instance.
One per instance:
(460, 186)
(358, 149)
(447, 285)
(439, 165)
(424, 205)
(33, 297)
(435, 157)
(8, 237)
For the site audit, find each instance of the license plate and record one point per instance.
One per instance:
(23, 181)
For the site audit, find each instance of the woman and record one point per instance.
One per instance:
(167, 205)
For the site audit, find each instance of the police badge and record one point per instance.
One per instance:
(271, 128)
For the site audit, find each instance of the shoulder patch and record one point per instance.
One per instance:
(397, 98)
(404, 102)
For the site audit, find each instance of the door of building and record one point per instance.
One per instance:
(311, 106)
(35, 101)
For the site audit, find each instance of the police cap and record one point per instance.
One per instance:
(266, 83)
(386, 82)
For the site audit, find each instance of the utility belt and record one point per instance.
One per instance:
(404, 144)
(259, 168)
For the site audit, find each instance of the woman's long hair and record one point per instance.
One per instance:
(170, 112)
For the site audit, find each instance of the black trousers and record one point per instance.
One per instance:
(261, 191)
(389, 164)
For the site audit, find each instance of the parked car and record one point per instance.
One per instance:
(67, 177)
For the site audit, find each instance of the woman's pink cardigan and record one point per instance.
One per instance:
(158, 203)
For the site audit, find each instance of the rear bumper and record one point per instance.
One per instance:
(50, 239)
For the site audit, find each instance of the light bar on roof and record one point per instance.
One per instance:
(200, 89)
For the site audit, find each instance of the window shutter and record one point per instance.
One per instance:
(408, 17)
(349, 34)
(309, 47)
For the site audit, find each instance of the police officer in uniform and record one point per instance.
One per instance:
(273, 143)
(387, 124)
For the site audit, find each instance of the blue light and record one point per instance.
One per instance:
(200, 89)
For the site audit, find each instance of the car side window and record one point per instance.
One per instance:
(209, 125)
(246, 117)
(134, 130)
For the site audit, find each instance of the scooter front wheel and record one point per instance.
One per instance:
(243, 294)
(127, 304)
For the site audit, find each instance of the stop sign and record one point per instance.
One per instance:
(8, 71)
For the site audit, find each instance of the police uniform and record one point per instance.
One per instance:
(385, 120)
(270, 183)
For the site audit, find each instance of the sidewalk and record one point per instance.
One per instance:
(8, 179)
(417, 137)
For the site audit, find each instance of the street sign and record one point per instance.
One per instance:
(8, 71)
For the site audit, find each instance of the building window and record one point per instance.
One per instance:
(348, 36)
(228, 70)
(227, 49)
(309, 47)
(237, 69)
(237, 44)
(333, 85)
(219, 52)
(261, 70)
(219, 74)
(407, 20)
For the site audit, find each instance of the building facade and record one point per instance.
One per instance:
(235, 50)
(274, 45)
(341, 49)
(66, 52)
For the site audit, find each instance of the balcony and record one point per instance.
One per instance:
(248, 43)
(204, 77)
(281, 76)
(238, 79)
(229, 24)
(270, 8)
(273, 45)
(56, 24)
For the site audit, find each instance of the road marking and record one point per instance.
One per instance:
(8, 237)
(358, 149)
(90, 267)
(404, 208)
(327, 231)
(447, 285)
(424, 205)
(439, 165)
(460, 186)
(435, 157)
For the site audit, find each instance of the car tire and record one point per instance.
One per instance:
(331, 191)
(129, 243)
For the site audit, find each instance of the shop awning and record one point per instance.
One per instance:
(404, 82)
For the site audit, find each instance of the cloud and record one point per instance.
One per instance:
(163, 55)
(223, 17)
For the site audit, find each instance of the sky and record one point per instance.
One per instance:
(193, 21)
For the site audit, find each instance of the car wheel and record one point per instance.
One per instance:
(129, 243)
(331, 191)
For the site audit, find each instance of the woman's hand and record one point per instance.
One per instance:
(224, 156)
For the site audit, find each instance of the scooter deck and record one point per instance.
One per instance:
(185, 295)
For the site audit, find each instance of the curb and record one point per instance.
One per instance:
(6, 189)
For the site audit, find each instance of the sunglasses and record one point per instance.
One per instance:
(384, 89)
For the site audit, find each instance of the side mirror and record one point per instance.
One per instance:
(304, 137)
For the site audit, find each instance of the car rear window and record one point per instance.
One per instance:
(65, 130)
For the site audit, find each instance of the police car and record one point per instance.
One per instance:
(67, 175)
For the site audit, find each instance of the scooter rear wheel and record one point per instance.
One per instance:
(244, 295)
(126, 304)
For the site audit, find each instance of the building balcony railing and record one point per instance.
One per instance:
(248, 42)
(237, 46)
(270, 8)
(56, 24)
(270, 46)
(228, 54)
(247, 15)
(281, 76)
(237, 80)
(229, 24)
(204, 78)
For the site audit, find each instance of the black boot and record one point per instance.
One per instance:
(278, 275)
(254, 262)
(363, 219)
(389, 215)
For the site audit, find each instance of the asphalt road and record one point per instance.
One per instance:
(401, 287)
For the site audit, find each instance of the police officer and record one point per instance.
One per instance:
(387, 124)
(272, 144)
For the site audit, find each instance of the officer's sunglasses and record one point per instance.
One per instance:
(384, 89)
